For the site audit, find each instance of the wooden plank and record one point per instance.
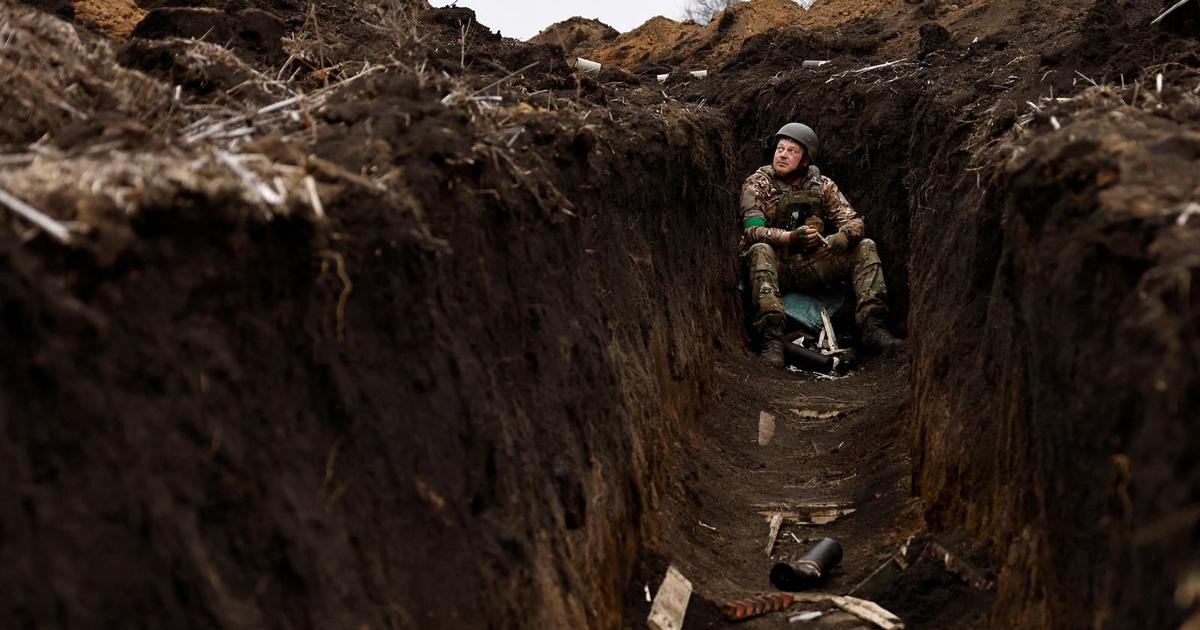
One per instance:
(670, 602)
(816, 517)
(868, 611)
(766, 428)
(830, 336)
(776, 522)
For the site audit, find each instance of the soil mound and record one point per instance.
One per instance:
(834, 13)
(576, 34)
(665, 41)
(657, 38)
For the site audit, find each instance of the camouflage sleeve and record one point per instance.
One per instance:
(754, 220)
(839, 212)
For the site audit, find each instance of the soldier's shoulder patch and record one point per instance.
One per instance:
(758, 179)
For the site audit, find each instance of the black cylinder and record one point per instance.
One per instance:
(810, 569)
(806, 359)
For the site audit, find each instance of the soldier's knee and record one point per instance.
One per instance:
(866, 251)
(761, 259)
(760, 253)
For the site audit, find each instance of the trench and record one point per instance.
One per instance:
(512, 386)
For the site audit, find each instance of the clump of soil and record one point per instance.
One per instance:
(576, 33)
(115, 18)
(251, 29)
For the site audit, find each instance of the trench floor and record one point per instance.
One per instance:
(838, 445)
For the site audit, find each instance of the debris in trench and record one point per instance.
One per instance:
(1168, 12)
(811, 414)
(802, 358)
(869, 611)
(756, 606)
(807, 615)
(815, 514)
(586, 65)
(766, 428)
(1192, 209)
(883, 576)
(670, 602)
(862, 608)
(773, 533)
(37, 217)
(955, 564)
(813, 567)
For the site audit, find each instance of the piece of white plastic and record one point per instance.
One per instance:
(586, 65)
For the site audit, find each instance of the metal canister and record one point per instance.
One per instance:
(806, 359)
(810, 569)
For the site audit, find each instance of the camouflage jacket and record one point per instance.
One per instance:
(770, 207)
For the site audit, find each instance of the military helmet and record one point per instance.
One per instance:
(801, 133)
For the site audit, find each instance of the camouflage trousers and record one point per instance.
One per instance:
(769, 277)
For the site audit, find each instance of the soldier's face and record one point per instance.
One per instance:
(788, 156)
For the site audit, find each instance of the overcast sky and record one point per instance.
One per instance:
(523, 19)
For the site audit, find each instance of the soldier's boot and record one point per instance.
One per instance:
(876, 338)
(770, 326)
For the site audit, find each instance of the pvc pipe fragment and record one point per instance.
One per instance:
(814, 63)
(586, 65)
(699, 74)
(662, 78)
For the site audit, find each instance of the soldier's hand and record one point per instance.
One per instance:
(838, 242)
(811, 237)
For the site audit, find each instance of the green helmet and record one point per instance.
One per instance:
(800, 133)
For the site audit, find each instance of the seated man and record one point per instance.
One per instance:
(787, 208)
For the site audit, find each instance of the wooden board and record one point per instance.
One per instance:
(670, 602)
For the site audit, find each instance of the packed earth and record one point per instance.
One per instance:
(361, 315)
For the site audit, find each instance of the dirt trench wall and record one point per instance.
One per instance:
(1055, 363)
(449, 406)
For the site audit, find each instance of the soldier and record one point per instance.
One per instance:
(787, 209)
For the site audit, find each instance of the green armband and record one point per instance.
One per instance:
(753, 222)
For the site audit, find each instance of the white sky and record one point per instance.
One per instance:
(523, 19)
